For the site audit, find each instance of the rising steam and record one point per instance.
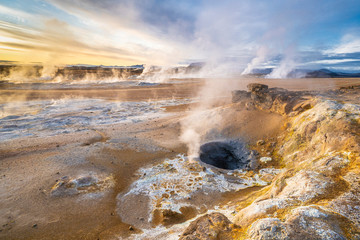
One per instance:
(260, 58)
(206, 115)
(287, 64)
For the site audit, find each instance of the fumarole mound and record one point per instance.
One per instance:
(316, 193)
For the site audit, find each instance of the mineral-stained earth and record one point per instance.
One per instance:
(316, 194)
(281, 163)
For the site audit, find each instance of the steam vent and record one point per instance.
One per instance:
(225, 154)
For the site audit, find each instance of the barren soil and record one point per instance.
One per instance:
(31, 166)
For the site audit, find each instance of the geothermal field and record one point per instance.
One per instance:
(189, 158)
(186, 120)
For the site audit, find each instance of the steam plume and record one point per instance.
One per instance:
(260, 58)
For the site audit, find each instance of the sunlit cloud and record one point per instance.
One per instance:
(349, 44)
(243, 34)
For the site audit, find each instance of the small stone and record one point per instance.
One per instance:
(112, 214)
(260, 142)
(249, 106)
(257, 87)
(265, 159)
(209, 226)
(34, 226)
(58, 173)
(131, 228)
(64, 178)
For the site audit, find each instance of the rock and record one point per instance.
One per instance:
(309, 222)
(265, 159)
(168, 217)
(302, 106)
(86, 181)
(239, 95)
(306, 186)
(320, 149)
(257, 87)
(263, 100)
(260, 209)
(64, 188)
(225, 155)
(268, 229)
(83, 184)
(210, 226)
(280, 105)
(322, 129)
(348, 203)
(331, 165)
(276, 100)
(312, 222)
(260, 142)
(249, 106)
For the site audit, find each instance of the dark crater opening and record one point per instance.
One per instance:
(229, 155)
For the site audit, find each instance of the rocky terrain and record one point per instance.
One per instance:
(109, 164)
(315, 195)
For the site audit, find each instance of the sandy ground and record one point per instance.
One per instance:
(30, 166)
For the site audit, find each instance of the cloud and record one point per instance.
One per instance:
(157, 31)
(348, 44)
(56, 42)
(334, 61)
(13, 14)
(246, 34)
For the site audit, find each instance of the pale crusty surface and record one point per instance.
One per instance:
(30, 166)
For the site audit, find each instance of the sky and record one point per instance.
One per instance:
(246, 34)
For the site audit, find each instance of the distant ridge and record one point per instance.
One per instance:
(325, 73)
(141, 66)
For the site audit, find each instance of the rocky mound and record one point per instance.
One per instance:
(316, 195)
